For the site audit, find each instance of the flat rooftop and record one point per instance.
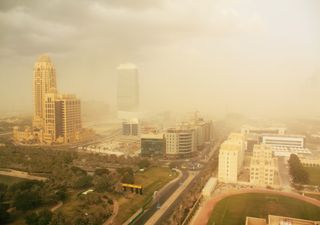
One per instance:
(282, 220)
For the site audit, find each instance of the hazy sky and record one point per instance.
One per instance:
(211, 55)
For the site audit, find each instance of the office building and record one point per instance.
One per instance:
(285, 151)
(263, 166)
(284, 140)
(128, 88)
(231, 156)
(152, 144)
(68, 118)
(180, 142)
(130, 127)
(263, 130)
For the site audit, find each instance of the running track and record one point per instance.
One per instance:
(205, 213)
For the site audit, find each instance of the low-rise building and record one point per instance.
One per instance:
(309, 161)
(262, 130)
(279, 220)
(263, 166)
(209, 187)
(287, 151)
(284, 140)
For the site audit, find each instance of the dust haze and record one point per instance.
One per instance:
(246, 56)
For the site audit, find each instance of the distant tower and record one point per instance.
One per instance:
(44, 82)
(128, 88)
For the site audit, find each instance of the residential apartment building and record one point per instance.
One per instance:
(231, 156)
(263, 166)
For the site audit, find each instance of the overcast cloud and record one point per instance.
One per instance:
(237, 55)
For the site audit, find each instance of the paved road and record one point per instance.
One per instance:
(21, 174)
(156, 218)
(165, 194)
(284, 175)
(181, 194)
(171, 190)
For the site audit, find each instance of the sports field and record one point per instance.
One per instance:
(233, 210)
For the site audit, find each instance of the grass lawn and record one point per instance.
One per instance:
(314, 175)
(152, 180)
(234, 209)
(8, 180)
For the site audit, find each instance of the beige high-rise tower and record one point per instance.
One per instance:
(57, 117)
(44, 82)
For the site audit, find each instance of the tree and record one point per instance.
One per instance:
(3, 191)
(128, 178)
(78, 171)
(4, 216)
(81, 220)
(144, 163)
(83, 182)
(102, 184)
(100, 172)
(173, 165)
(31, 218)
(44, 217)
(58, 219)
(61, 195)
(40, 218)
(27, 200)
(124, 170)
(298, 173)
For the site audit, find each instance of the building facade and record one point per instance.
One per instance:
(128, 88)
(284, 140)
(263, 130)
(57, 117)
(152, 144)
(130, 127)
(231, 156)
(180, 142)
(44, 82)
(263, 166)
(279, 220)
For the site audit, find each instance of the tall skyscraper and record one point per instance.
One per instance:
(128, 88)
(57, 117)
(44, 82)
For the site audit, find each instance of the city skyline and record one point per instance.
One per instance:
(192, 112)
(230, 55)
